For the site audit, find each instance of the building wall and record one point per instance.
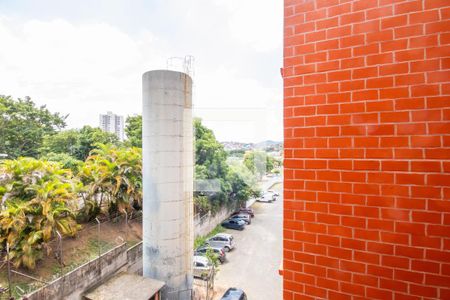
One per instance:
(367, 149)
(113, 124)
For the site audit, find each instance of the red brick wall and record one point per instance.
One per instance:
(367, 149)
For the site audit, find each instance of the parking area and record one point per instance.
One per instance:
(253, 265)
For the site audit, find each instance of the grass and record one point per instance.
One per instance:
(200, 240)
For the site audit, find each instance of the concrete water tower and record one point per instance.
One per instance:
(168, 181)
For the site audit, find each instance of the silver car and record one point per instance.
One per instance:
(202, 267)
(221, 240)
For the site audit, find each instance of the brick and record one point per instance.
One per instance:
(366, 49)
(339, 9)
(351, 18)
(368, 26)
(385, 35)
(410, 79)
(364, 72)
(425, 141)
(393, 285)
(398, 68)
(381, 82)
(425, 65)
(351, 41)
(315, 36)
(424, 17)
(435, 52)
(378, 12)
(409, 103)
(394, 93)
(424, 41)
(437, 27)
(394, 117)
(364, 95)
(425, 291)
(394, 45)
(428, 115)
(407, 55)
(439, 76)
(409, 31)
(380, 271)
(395, 21)
(407, 7)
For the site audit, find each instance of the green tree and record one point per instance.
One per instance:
(113, 175)
(66, 161)
(23, 126)
(133, 129)
(211, 165)
(77, 142)
(256, 162)
(38, 198)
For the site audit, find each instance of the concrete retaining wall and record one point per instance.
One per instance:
(205, 224)
(74, 284)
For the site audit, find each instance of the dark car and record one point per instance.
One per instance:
(234, 224)
(234, 294)
(245, 210)
(244, 217)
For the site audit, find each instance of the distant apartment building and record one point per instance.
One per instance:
(113, 123)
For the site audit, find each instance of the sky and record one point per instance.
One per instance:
(84, 58)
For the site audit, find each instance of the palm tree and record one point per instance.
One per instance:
(38, 197)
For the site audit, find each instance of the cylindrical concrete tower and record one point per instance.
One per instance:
(168, 181)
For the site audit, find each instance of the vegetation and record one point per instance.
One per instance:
(66, 161)
(112, 177)
(38, 198)
(84, 173)
(23, 126)
(226, 186)
(133, 130)
(200, 240)
(77, 143)
(41, 196)
(259, 163)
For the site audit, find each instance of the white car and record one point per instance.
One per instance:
(276, 194)
(266, 197)
(202, 267)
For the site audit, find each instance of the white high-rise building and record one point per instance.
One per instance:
(113, 123)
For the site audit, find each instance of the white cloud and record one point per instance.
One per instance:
(78, 69)
(85, 68)
(257, 23)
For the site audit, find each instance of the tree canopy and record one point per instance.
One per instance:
(23, 126)
(211, 165)
(133, 129)
(38, 198)
(77, 142)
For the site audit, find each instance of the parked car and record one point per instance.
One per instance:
(245, 210)
(234, 294)
(227, 235)
(266, 197)
(218, 251)
(234, 224)
(274, 195)
(244, 217)
(202, 267)
(222, 240)
(274, 192)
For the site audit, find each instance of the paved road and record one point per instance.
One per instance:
(253, 265)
